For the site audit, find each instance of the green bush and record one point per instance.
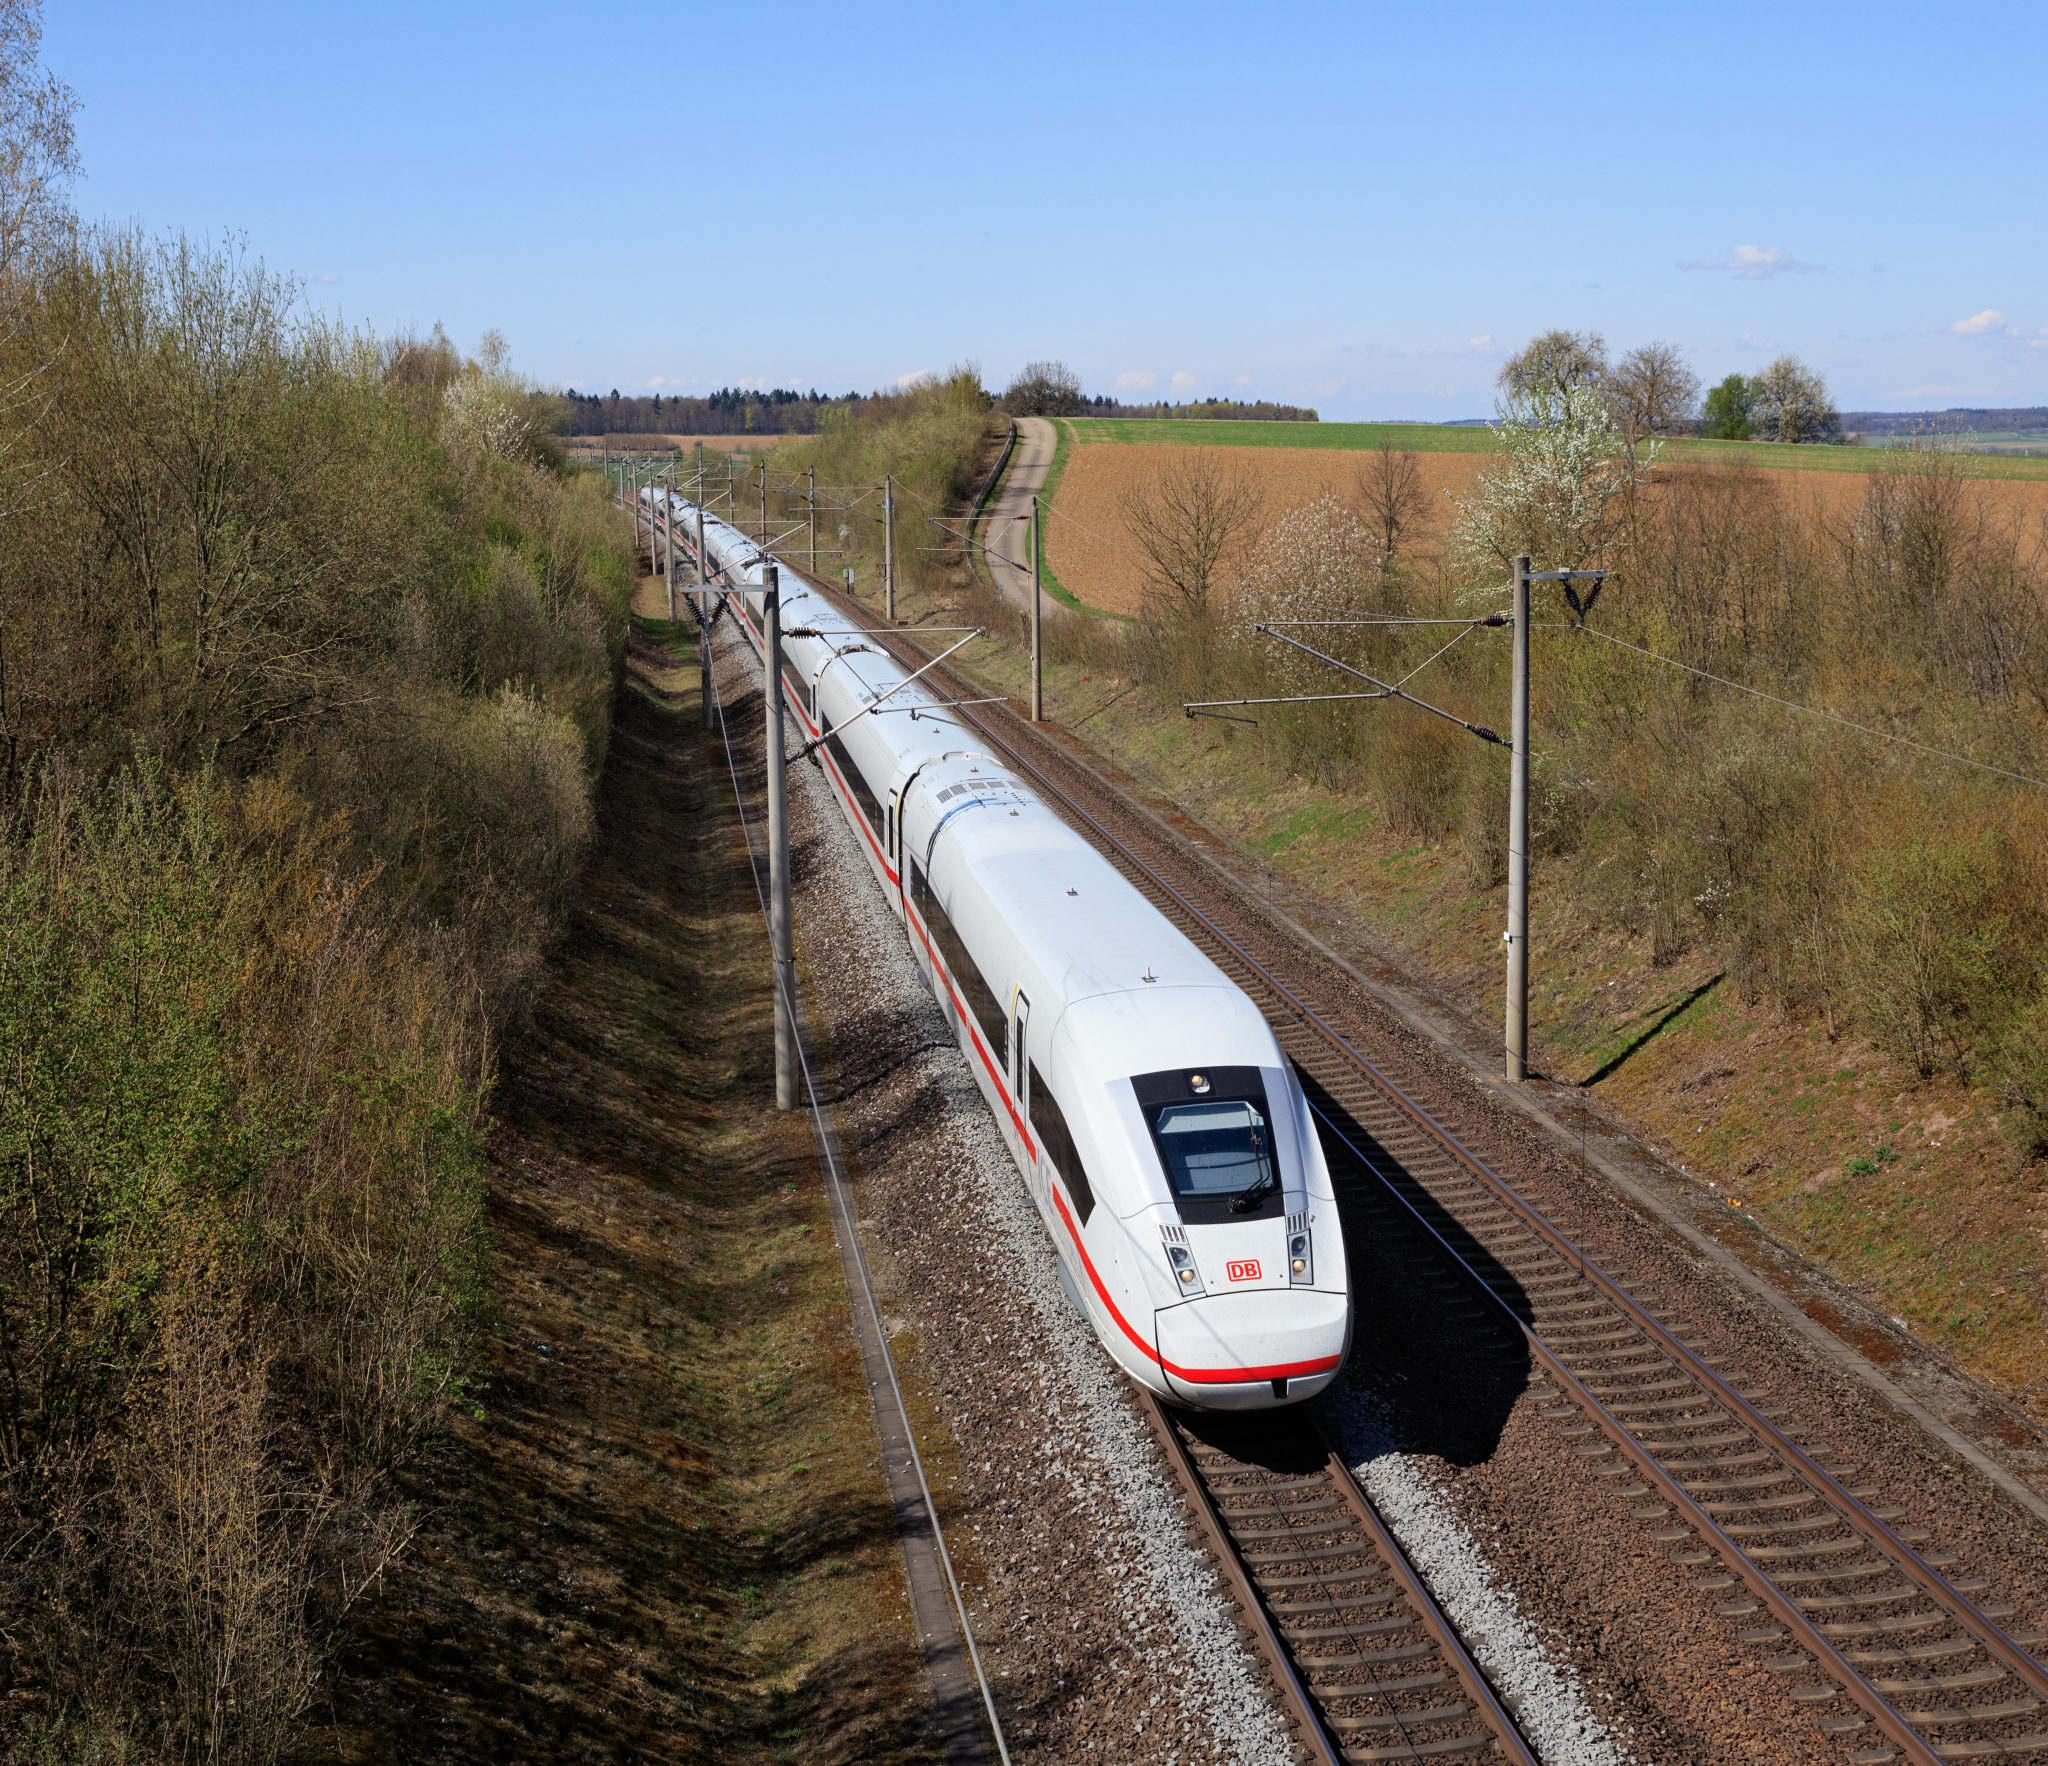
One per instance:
(309, 654)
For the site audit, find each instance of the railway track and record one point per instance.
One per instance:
(1367, 1664)
(1882, 1649)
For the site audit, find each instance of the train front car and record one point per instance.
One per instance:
(1162, 1132)
(1223, 1269)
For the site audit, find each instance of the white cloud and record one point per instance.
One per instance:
(1484, 341)
(913, 378)
(1752, 262)
(1133, 381)
(326, 278)
(657, 381)
(1990, 319)
(1244, 380)
(1182, 380)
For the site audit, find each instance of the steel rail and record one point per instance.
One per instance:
(1214, 1521)
(1825, 1487)
(1796, 1462)
(1321, 1745)
(1803, 1629)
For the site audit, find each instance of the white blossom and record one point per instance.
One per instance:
(1557, 488)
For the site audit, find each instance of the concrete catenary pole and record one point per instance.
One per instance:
(778, 843)
(889, 546)
(668, 539)
(1037, 607)
(811, 496)
(1518, 841)
(703, 624)
(764, 500)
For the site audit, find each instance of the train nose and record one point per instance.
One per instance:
(1253, 1350)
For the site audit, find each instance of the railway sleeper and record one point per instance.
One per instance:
(1352, 1548)
(1470, 1743)
(1988, 1750)
(1373, 1689)
(1402, 1719)
(1326, 1578)
(1295, 1609)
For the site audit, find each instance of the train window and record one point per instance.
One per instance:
(980, 997)
(1053, 1136)
(1212, 1130)
(795, 677)
(870, 804)
(1214, 1149)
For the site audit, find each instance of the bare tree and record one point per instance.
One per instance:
(1192, 523)
(1555, 363)
(1652, 391)
(38, 149)
(1044, 389)
(1792, 403)
(1390, 487)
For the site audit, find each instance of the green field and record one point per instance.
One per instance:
(1197, 432)
(1445, 438)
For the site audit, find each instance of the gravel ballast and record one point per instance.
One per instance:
(1104, 1627)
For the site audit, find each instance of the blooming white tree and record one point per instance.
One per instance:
(1320, 560)
(488, 409)
(1558, 488)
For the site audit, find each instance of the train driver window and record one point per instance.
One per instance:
(1218, 1149)
(1213, 1132)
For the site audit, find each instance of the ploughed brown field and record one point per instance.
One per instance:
(1095, 558)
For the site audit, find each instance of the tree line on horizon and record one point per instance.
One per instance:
(1651, 392)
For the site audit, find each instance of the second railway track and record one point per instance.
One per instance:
(1884, 1653)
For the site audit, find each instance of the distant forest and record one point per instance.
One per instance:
(1962, 417)
(1248, 410)
(784, 411)
(729, 411)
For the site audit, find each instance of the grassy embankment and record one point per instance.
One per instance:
(662, 1536)
(1780, 950)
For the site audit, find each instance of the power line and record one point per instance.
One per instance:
(1628, 907)
(1772, 862)
(1806, 710)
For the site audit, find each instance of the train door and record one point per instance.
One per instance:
(1020, 1068)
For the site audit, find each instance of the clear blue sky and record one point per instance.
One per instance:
(1358, 206)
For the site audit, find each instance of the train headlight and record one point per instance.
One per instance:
(1301, 1259)
(1185, 1275)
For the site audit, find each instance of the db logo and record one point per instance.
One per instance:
(1245, 1269)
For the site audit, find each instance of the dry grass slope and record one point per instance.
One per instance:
(661, 1535)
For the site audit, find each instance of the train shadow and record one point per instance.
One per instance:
(1437, 1355)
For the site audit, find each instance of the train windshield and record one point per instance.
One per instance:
(1214, 1149)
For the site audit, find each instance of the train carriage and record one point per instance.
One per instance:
(1161, 1132)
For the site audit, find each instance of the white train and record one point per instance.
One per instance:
(1157, 1125)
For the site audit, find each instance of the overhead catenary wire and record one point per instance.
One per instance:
(1803, 710)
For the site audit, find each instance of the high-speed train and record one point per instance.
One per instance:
(1158, 1127)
